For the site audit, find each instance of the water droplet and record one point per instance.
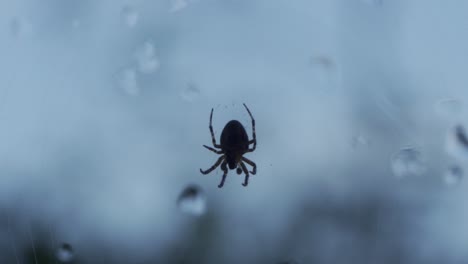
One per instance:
(20, 27)
(406, 162)
(448, 108)
(177, 5)
(457, 143)
(190, 93)
(192, 201)
(453, 175)
(323, 61)
(146, 58)
(127, 81)
(130, 16)
(325, 73)
(65, 253)
(76, 23)
(358, 141)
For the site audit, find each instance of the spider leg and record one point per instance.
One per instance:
(251, 163)
(214, 166)
(254, 138)
(244, 168)
(214, 150)
(223, 167)
(211, 131)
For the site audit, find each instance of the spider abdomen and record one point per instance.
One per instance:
(234, 137)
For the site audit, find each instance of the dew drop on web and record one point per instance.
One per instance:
(448, 108)
(453, 175)
(64, 253)
(20, 27)
(457, 143)
(190, 93)
(359, 140)
(192, 201)
(127, 81)
(407, 162)
(146, 58)
(177, 5)
(130, 16)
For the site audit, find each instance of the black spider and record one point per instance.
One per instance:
(234, 144)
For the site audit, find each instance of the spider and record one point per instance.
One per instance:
(234, 144)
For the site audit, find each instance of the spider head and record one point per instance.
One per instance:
(239, 170)
(232, 164)
(233, 161)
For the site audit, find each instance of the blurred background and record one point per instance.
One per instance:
(360, 109)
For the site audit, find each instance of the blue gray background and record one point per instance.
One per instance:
(104, 107)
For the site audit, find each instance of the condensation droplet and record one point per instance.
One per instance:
(408, 162)
(457, 143)
(146, 58)
(453, 175)
(325, 73)
(65, 253)
(448, 108)
(323, 61)
(358, 141)
(129, 16)
(177, 5)
(192, 201)
(127, 81)
(190, 93)
(76, 23)
(20, 27)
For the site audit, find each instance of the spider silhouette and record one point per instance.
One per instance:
(234, 144)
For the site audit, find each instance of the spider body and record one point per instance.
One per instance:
(234, 144)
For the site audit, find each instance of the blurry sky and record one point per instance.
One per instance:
(104, 108)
